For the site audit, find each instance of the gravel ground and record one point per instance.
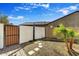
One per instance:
(44, 48)
(48, 48)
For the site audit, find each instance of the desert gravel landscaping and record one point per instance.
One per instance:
(41, 48)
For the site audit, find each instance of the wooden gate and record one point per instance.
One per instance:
(11, 33)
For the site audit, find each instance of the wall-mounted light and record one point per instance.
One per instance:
(51, 26)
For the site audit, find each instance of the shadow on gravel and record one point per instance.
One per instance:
(72, 52)
(75, 52)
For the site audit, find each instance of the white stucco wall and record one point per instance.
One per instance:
(1, 36)
(39, 32)
(26, 34)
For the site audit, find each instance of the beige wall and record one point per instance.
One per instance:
(39, 32)
(26, 34)
(1, 36)
(69, 21)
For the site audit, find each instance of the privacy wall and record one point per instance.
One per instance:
(11, 34)
(1, 36)
(26, 34)
(39, 32)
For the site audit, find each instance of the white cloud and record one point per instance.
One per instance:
(44, 5)
(64, 11)
(20, 17)
(26, 8)
(21, 8)
(16, 17)
(73, 7)
(68, 9)
(16, 9)
(33, 5)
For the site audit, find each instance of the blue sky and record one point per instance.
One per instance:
(32, 12)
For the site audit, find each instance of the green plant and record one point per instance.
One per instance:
(71, 36)
(61, 30)
(68, 35)
(4, 19)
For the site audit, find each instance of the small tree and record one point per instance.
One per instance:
(68, 34)
(71, 36)
(4, 19)
(61, 30)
